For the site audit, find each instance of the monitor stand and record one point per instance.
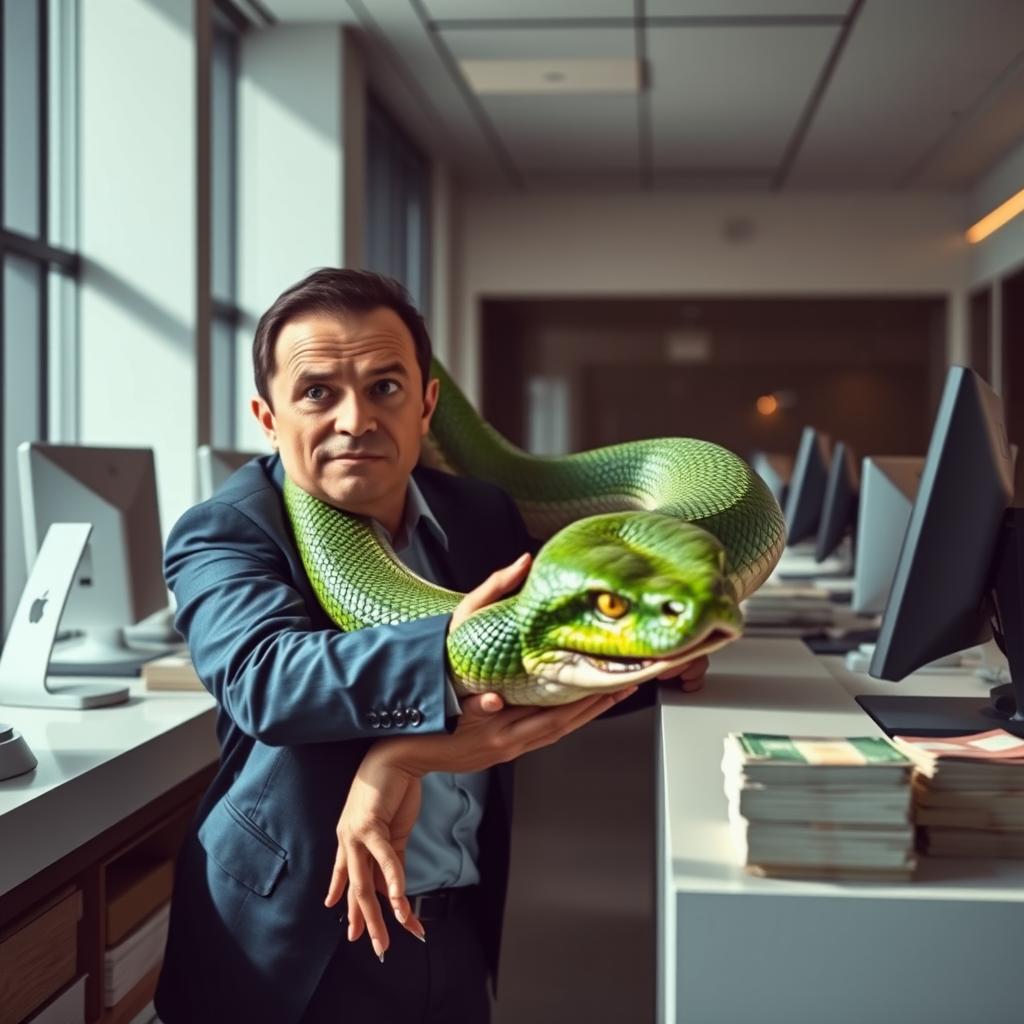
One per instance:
(960, 716)
(101, 652)
(26, 655)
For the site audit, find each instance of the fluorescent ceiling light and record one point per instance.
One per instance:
(607, 75)
(997, 218)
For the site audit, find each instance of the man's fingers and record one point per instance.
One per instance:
(339, 878)
(499, 583)
(355, 918)
(695, 669)
(391, 870)
(549, 725)
(482, 704)
(361, 890)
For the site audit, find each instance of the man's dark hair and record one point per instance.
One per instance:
(334, 292)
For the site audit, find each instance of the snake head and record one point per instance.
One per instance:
(617, 599)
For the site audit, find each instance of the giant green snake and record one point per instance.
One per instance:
(651, 546)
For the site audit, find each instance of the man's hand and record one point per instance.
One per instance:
(373, 830)
(499, 583)
(691, 675)
(384, 798)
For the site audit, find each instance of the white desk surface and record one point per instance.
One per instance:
(95, 768)
(798, 951)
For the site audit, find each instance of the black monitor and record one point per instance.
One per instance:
(839, 509)
(807, 488)
(960, 575)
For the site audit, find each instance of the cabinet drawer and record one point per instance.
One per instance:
(38, 956)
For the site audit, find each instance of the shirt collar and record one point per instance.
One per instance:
(416, 508)
(417, 513)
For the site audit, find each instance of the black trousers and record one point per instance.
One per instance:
(440, 981)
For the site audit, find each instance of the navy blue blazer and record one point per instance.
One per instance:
(249, 935)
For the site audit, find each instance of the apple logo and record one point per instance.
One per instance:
(35, 613)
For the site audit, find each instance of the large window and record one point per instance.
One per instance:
(223, 224)
(397, 205)
(38, 88)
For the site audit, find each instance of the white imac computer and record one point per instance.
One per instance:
(887, 491)
(216, 465)
(119, 579)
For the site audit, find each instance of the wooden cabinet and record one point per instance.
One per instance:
(57, 925)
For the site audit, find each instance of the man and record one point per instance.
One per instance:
(341, 363)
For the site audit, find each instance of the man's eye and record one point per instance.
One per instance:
(316, 392)
(386, 387)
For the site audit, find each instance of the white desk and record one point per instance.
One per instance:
(733, 948)
(96, 768)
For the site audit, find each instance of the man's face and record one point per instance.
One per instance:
(349, 410)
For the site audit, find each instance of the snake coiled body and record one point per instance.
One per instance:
(650, 546)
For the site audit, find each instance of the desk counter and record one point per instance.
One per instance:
(733, 947)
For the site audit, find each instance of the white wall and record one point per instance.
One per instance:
(138, 236)
(301, 177)
(658, 244)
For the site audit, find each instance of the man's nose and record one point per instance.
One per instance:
(353, 415)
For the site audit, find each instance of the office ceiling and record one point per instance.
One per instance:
(760, 94)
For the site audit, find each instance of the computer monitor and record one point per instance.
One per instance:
(120, 577)
(960, 575)
(776, 470)
(888, 485)
(216, 465)
(807, 488)
(839, 508)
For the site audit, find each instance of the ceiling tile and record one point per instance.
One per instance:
(520, 44)
(730, 97)
(746, 8)
(441, 10)
(555, 133)
(908, 70)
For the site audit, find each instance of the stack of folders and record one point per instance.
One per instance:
(820, 807)
(969, 793)
(127, 963)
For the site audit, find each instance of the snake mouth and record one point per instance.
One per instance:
(609, 672)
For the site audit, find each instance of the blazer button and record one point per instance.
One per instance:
(413, 716)
(398, 717)
(385, 719)
(373, 720)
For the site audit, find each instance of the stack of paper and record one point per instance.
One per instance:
(819, 807)
(127, 963)
(781, 605)
(969, 793)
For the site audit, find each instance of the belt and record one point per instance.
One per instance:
(439, 904)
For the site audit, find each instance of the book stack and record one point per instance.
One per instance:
(171, 672)
(820, 807)
(969, 793)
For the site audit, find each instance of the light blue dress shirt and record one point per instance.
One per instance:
(443, 848)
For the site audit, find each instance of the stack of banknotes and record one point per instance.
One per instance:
(969, 793)
(820, 807)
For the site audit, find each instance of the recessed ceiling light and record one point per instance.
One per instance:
(605, 75)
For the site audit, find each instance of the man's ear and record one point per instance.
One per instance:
(429, 404)
(265, 417)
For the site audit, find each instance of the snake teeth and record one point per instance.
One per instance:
(618, 665)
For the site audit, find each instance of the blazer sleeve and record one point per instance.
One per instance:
(253, 645)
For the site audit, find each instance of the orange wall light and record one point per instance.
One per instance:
(997, 218)
(767, 405)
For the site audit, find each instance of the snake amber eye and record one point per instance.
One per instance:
(611, 605)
